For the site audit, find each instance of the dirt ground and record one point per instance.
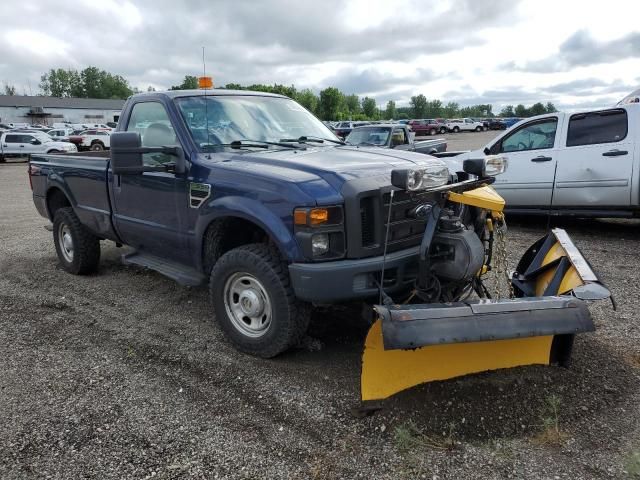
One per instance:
(122, 374)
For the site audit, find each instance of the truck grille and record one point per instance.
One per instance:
(404, 231)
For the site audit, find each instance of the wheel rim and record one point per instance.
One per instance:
(247, 304)
(66, 242)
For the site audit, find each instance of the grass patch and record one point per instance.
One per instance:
(632, 464)
(551, 433)
(407, 436)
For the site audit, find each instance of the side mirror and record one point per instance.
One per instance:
(35, 141)
(126, 155)
(486, 151)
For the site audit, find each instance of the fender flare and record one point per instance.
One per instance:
(254, 212)
(56, 182)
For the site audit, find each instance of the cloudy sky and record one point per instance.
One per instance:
(576, 54)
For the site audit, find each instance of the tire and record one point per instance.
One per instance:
(479, 129)
(77, 248)
(443, 130)
(456, 130)
(54, 152)
(254, 303)
(2, 159)
(432, 132)
(96, 147)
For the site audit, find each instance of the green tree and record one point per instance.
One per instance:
(352, 103)
(419, 105)
(550, 108)
(189, 82)
(507, 111)
(390, 112)
(369, 108)
(451, 109)
(234, 86)
(537, 109)
(308, 100)
(434, 109)
(331, 99)
(521, 111)
(9, 89)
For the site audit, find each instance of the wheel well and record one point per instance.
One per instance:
(56, 200)
(97, 141)
(224, 234)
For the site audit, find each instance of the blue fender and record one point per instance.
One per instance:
(253, 211)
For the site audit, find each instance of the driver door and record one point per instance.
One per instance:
(150, 209)
(531, 153)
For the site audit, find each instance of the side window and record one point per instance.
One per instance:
(538, 135)
(597, 127)
(398, 137)
(27, 138)
(151, 121)
(13, 139)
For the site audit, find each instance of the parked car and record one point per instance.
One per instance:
(428, 126)
(21, 144)
(496, 124)
(483, 121)
(510, 122)
(583, 164)
(60, 134)
(94, 139)
(398, 137)
(343, 129)
(464, 125)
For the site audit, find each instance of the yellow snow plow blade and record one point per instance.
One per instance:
(413, 344)
(386, 372)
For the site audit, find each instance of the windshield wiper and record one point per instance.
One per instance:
(310, 138)
(248, 144)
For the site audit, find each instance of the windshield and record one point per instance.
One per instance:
(244, 117)
(370, 136)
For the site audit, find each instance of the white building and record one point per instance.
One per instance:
(50, 110)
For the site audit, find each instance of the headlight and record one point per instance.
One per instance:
(319, 244)
(420, 178)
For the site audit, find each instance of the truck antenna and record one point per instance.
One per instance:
(206, 111)
(383, 296)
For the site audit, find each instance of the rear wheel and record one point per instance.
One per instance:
(254, 303)
(432, 131)
(97, 146)
(456, 129)
(2, 159)
(443, 130)
(78, 249)
(478, 129)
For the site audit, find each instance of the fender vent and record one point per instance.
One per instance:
(198, 193)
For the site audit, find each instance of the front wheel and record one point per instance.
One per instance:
(443, 130)
(97, 147)
(478, 129)
(456, 129)
(78, 249)
(254, 303)
(432, 132)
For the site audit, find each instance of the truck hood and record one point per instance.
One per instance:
(335, 165)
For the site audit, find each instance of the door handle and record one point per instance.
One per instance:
(541, 158)
(21, 146)
(614, 153)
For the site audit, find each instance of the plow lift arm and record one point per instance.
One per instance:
(411, 344)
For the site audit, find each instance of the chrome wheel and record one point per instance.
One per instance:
(66, 242)
(247, 304)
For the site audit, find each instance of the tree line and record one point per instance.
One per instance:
(329, 104)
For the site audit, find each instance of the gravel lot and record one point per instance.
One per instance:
(123, 375)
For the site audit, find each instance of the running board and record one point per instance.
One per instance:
(182, 274)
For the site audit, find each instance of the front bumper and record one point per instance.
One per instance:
(344, 280)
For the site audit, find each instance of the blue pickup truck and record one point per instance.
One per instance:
(252, 195)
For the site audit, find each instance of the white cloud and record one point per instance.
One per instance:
(488, 51)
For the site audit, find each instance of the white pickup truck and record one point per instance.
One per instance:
(19, 144)
(464, 124)
(583, 164)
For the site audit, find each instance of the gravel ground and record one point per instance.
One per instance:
(466, 140)
(123, 375)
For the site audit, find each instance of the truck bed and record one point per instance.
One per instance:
(83, 178)
(428, 146)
